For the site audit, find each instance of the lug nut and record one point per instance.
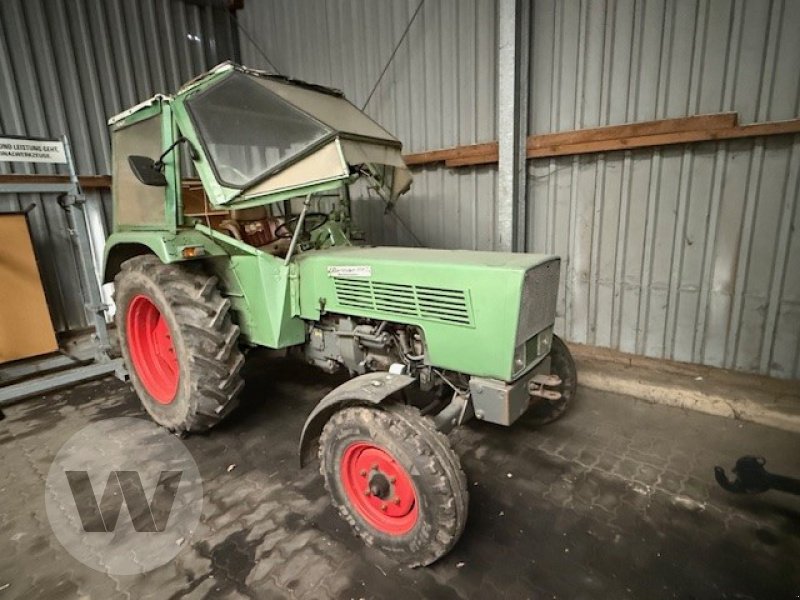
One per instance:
(396, 500)
(367, 492)
(374, 466)
(392, 479)
(383, 506)
(363, 472)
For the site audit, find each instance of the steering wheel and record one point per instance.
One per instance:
(313, 220)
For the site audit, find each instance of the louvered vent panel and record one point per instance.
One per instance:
(396, 298)
(354, 293)
(430, 303)
(445, 305)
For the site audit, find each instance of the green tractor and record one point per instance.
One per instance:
(261, 252)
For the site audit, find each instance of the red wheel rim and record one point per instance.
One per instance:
(152, 352)
(379, 488)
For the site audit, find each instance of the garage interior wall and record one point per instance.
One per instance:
(66, 66)
(439, 91)
(690, 252)
(686, 252)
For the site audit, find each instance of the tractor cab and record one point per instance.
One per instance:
(250, 143)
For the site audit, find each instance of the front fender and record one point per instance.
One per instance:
(371, 388)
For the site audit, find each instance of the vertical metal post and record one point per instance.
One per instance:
(513, 59)
(73, 205)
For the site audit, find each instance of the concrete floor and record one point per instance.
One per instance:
(617, 500)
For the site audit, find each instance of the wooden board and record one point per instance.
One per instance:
(457, 153)
(645, 134)
(25, 326)
(668, 139)
(628, 130)
(195, 203)
(88, 182)
(474, 159)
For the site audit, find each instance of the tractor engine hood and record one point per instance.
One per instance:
(475, 308)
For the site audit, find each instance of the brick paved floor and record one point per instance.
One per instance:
(617, 500)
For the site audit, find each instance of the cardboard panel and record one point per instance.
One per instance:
(25, 326)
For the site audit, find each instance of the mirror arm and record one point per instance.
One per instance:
(159, 164)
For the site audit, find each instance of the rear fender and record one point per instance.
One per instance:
(168, 246)
(364, 390)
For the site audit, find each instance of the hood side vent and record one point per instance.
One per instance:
(439, 304)
(354, 293)
(429, 303)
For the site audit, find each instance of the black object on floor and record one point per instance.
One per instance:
(753, 478)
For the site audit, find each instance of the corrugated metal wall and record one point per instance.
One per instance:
(686, 252)
(689, 253)
(439, 91)
(65, 67)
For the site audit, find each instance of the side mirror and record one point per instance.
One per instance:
(146, 171)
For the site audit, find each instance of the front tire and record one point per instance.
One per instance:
(179, 343)
(396, 480)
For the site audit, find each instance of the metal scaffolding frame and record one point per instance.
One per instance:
(30, 377)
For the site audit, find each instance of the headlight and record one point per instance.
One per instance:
(532, 350)
(519, 358)
(545, 340)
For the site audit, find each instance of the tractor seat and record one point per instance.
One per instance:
(255, 227)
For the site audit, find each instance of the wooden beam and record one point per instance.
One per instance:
(460, 156)
(458, 152)
(429, 158)
(685, 130)
(473, 160)
(89, 182)
(614, 132)
(591, 141)
(669, 139)
(790, 126)
(94, 182)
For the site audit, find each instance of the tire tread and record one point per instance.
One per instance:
(209, 333)
(442, 466)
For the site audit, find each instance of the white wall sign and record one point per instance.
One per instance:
(32, 151)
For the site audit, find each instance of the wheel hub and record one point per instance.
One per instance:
(379, 488)
(151, 348)
(379, 485)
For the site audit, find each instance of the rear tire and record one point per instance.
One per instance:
(179, 343)
(416, 507)
(562, 364)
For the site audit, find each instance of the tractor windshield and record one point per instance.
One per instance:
(261, 137)
(249, 131)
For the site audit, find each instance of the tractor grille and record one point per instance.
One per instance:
(429, 303)
(539, 296)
